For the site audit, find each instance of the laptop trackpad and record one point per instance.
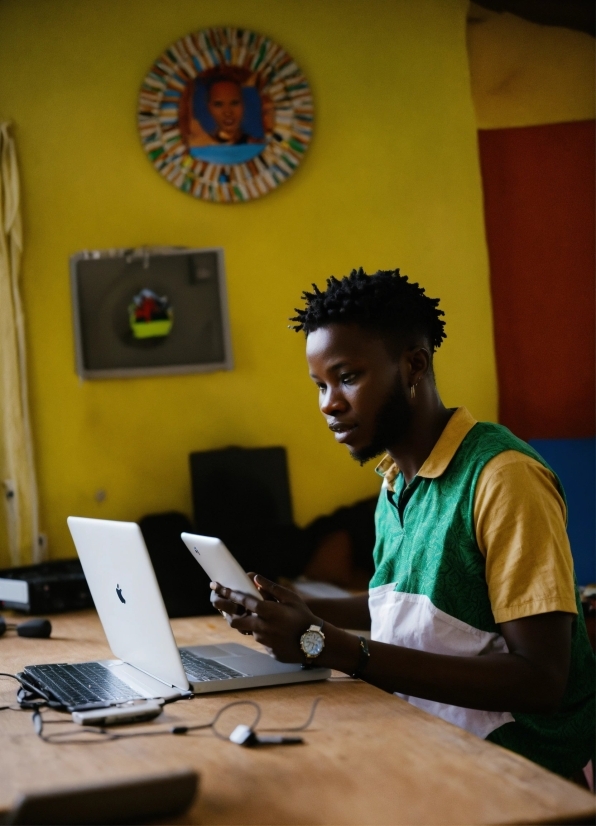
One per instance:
(210, 652)
(257, 665)
(243, 659)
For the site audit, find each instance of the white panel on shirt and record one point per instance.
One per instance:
(413, 621)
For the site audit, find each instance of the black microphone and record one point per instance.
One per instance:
(30, 628)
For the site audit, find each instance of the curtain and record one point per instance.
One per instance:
(19, 519)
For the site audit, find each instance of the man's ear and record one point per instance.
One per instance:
(420, 363)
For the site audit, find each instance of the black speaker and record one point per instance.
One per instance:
(242, 495)
(240, 487)
(183, 583)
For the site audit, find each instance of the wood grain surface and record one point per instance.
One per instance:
(368, 758)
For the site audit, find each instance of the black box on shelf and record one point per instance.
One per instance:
(46, 588)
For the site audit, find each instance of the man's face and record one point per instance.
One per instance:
(362, 394)
(226, 106)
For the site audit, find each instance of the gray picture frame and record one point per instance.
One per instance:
(103, 282)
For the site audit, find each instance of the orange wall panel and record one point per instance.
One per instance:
(539, 211)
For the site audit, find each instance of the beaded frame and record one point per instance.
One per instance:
(285, 97)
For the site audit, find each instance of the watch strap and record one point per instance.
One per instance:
(363, 658)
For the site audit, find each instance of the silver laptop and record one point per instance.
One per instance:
(149, 664)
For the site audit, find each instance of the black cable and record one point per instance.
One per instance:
(14, 677)
(109, 736)
(58, 737)
(39, 722)
(212, 724)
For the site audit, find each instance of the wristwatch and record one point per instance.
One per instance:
(312, 642)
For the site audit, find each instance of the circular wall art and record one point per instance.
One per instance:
(225, 114)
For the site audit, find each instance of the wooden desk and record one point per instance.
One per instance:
(369, 757)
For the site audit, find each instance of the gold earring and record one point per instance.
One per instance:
(413, 391)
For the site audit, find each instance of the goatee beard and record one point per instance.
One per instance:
(393, 420)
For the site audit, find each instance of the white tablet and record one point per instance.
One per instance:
(219, 564)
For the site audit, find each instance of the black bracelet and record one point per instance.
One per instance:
(363, 658)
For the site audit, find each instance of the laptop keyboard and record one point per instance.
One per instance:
(201, 670)
(88, 685)
(82, 685)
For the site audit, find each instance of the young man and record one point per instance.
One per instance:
(473, 610)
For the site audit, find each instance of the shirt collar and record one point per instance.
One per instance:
(456, 429)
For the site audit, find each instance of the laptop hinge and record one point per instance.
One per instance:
(153, 676)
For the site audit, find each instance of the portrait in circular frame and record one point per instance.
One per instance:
(225, 115)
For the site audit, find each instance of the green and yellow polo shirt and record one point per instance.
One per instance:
(478, 538)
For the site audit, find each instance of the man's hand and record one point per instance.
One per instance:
(277, 622)
(226, 607)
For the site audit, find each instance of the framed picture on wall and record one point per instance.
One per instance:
(225, 114)
(149, 311)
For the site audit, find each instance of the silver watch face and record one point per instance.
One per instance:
(312, 643)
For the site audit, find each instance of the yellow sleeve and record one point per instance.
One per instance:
(520, 519)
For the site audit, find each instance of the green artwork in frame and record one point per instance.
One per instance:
(225, 115)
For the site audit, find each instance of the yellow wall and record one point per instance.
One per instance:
(391, 179)
(525, 74)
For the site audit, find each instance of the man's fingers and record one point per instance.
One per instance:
(227, 606)
(278, 592)
(253, 576)
(246, 624)
(248, 603)
(267, 596)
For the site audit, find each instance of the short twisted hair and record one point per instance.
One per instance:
(386, 302)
